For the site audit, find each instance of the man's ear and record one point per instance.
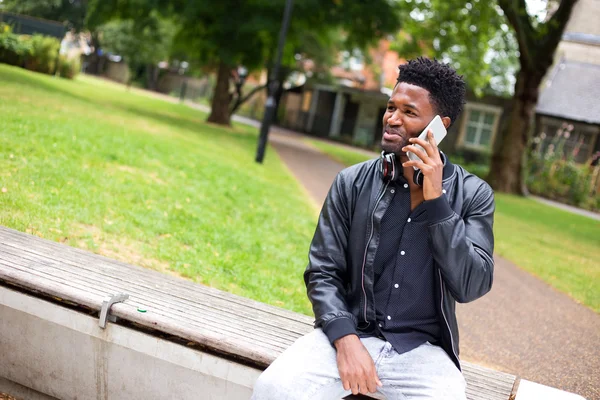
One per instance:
(446, 121)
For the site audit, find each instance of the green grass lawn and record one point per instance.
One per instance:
(89, 164)
(559, 247)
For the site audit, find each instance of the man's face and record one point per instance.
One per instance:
(408, 113)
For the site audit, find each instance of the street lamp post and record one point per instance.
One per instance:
(273, 86)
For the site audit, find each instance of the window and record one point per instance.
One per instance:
(479, 126)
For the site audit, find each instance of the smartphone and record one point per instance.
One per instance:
(439, 133)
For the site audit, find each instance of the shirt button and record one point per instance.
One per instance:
(396, 286)
(380, 325)
(393, 191)
(402, 253)
(389, 318)
(408, 220)
(406, 186)
(443, 190)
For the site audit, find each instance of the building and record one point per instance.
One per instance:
(569, 95)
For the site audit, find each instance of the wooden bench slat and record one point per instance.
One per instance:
(164, 282)
(161, 302)
(92, 262)
(232, 328)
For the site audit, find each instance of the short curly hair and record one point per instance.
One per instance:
(446, 88)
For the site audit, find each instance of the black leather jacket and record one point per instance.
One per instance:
(339, 276)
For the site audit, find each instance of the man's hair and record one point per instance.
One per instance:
(446, 88)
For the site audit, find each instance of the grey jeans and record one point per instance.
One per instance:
(308, 370)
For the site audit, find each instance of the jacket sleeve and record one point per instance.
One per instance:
(326, 273)
(463, 247)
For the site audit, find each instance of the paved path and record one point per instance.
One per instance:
(523, 326)
(566, 207)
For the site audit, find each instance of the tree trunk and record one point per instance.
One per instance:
(509, 160)
(219, 113)
(536, 47)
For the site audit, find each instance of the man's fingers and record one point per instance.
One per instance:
(416, 151)
(378, 381)
(354, 387)
(431, 140)
(419, 164)
(429, 145)
(364, 387)
(346, 385)
(372, 386)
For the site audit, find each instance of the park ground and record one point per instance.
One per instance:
(142, 180)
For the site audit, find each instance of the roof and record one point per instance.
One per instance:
(26, 25)
(585, 38)
(571, 92)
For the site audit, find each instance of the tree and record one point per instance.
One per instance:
(226, 34)
(141, 43)
(482, 39)
(537, 44)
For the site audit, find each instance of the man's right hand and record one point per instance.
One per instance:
(356, 366)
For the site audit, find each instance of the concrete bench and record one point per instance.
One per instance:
(171, 338)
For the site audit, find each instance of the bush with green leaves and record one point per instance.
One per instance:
(556, 175)
(14, 49)
(44, 54)
(68, 67)
(477, 164)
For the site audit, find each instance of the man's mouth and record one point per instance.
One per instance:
(390, 134)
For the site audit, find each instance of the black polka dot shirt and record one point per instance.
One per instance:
(405, 290)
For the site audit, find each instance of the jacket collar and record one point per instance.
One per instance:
(449, 168)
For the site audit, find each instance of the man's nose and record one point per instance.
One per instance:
(395, 119)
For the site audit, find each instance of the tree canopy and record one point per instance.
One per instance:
(470, 35)
(138, 44)
(228, 33)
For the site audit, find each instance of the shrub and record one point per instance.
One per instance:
(68, 67)
(557, 176)
(44, 54)
(477, 165)
(14, 49)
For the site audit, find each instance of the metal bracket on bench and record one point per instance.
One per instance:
(107, 304)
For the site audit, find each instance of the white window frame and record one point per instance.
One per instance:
(469, 107)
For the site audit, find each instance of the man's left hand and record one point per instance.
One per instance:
(431, 165)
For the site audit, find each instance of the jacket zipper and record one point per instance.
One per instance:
(444, 315)
(367, 248)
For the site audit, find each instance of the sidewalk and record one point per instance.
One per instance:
(566, 207)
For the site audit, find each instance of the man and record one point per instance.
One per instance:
(390, 257)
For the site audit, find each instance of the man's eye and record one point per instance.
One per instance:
(409, 112)
(390, 108)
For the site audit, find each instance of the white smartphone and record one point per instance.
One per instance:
(439, 133)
